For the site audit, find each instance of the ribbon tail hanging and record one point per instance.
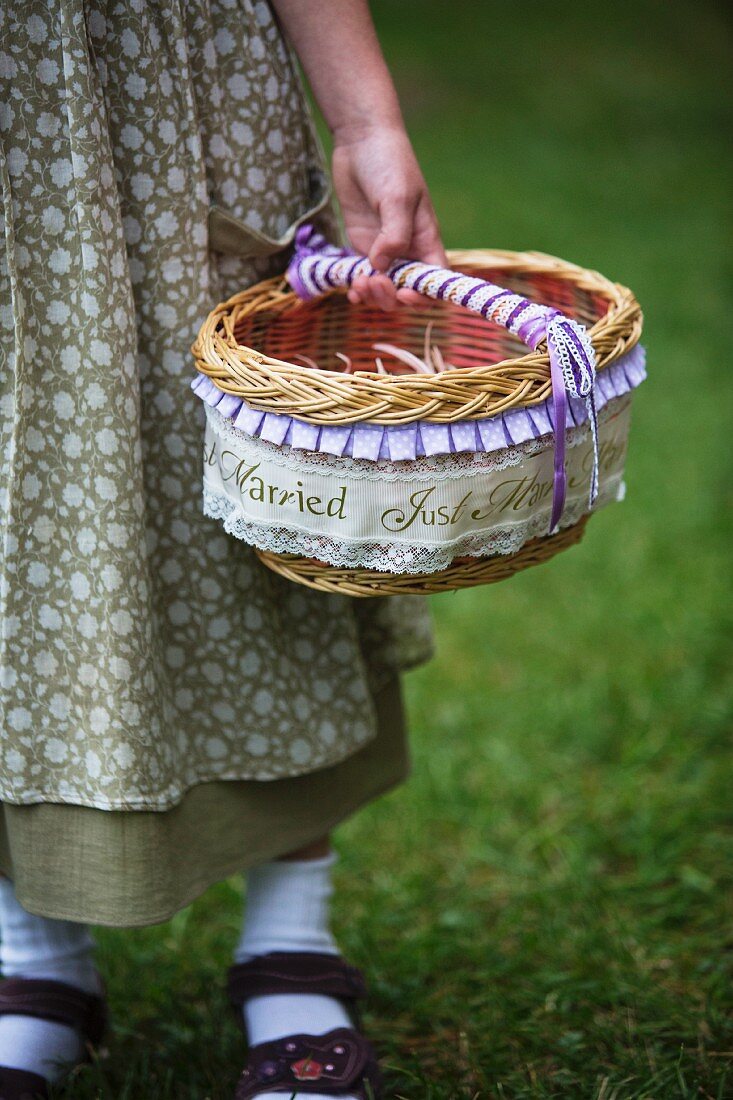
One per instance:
(573, 374)
(559, 409)
(590, 404)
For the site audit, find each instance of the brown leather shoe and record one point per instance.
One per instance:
(339, 1063)
(20, 1084)
(48, 1000)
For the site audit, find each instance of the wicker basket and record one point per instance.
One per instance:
(255, 355)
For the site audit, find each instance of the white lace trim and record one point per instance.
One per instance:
(391, 557)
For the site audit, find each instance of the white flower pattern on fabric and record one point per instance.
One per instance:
(142, 650)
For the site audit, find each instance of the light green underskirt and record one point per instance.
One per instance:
(137, 867)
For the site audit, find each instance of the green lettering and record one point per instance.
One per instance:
(336, 505)
(396, 519)
(257, 489)
(459, 508)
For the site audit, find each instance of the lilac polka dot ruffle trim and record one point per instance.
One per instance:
(409, 441)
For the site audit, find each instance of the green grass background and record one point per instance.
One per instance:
(545, 909)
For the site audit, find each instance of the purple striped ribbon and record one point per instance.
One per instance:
(318, 266)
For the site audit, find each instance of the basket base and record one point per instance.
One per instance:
(461, 574)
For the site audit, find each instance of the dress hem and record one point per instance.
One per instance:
(123, 869)
(141, 805)
(226, 871)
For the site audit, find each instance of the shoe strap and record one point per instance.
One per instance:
(58, 1001)
(295, 972)
(21, 1084)
(339, 1062)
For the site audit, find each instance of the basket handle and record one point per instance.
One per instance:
(318, 266)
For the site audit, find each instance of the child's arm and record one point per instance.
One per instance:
(383, 196)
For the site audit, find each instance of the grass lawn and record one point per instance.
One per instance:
(545, 909)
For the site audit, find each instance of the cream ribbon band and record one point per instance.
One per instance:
(402, 515)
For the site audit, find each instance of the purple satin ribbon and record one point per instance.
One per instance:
(559, 422)
(559, 478)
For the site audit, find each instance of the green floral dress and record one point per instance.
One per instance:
(156, 156)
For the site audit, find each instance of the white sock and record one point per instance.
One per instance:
(57, 950)
(288, 910)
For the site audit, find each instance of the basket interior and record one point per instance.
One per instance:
(322, 327)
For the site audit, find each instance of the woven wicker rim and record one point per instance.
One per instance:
(327, 397)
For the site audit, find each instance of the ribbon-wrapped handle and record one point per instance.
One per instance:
(318, 266)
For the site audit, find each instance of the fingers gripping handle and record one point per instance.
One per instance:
(318, 266)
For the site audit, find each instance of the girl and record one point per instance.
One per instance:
(171, 712)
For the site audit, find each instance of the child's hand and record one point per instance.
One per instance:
(386, 206)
